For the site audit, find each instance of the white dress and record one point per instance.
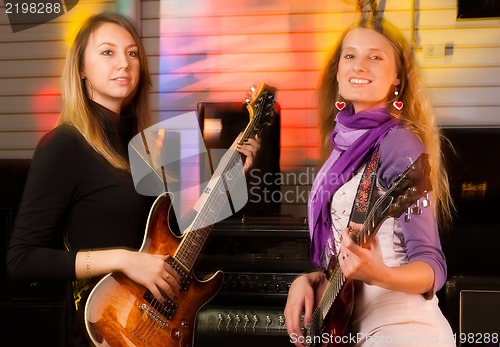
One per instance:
(383, 317)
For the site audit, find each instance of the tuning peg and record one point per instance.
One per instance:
(247, 100)
(408, 215)
(416, 210)
(238, 320)
(253, 88)
(426, 201)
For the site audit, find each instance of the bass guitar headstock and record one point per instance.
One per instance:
(260, 106)
(410, 191)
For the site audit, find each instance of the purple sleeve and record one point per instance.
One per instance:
(399, 149)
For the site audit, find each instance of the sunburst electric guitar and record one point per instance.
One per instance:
(335, 297)
(120, 312)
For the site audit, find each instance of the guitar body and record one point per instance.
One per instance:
(337, 320)
(120, 312)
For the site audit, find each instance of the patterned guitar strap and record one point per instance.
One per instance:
(361, 205)
(364, 196)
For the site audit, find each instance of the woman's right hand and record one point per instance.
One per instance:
(301, 300)
(149, 270)
(153, 272)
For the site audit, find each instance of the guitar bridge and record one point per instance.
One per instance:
(147, 327)
(151, 314)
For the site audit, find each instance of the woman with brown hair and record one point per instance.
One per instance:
(79, 191)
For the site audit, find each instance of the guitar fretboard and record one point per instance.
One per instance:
(195, 238)
(222, 183)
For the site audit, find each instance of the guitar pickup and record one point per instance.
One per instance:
(167, 309)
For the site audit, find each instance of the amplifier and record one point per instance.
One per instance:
(257, 283)
(242, 326)
(473, 310)
(260, 258)
(242, 321)
(257, 244)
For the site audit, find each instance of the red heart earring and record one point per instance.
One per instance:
(398, 105)
(340, 105)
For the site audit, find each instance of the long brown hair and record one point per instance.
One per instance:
(76, 102)
(416, 116)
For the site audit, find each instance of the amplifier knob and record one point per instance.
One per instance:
(278, 288)
(228, 316)
(255, 320)
(269, 321)
(238, 320)
(220, 319)
(281, 320)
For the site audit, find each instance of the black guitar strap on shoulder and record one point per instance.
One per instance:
(364, 195)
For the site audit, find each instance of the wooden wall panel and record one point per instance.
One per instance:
(31, 63)
(214, 50)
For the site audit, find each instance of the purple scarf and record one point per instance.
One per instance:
(355, 138)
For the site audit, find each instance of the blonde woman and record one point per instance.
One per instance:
(371, 100)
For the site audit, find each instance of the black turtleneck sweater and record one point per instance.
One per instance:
(72, 192)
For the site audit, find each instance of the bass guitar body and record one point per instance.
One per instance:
(331, 330)
(119, 312)
(336, 324)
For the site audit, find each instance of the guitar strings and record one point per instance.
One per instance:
(146, 327)
(185, 253)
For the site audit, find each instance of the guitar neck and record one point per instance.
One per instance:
(216, 195)
(369, 228)
(212, 202)
(336, 281)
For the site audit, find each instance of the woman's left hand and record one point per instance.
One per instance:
(364, 264)
(249, 149)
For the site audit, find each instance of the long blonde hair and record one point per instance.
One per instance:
(76, 109)
(416, 116)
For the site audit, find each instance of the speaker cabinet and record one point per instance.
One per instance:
(473, 309)
(32, 313)
(221, 123)
(34, 324)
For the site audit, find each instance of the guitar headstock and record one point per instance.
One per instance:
(411, 188)
(260, 105)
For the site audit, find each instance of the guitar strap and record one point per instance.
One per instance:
(364, 194)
